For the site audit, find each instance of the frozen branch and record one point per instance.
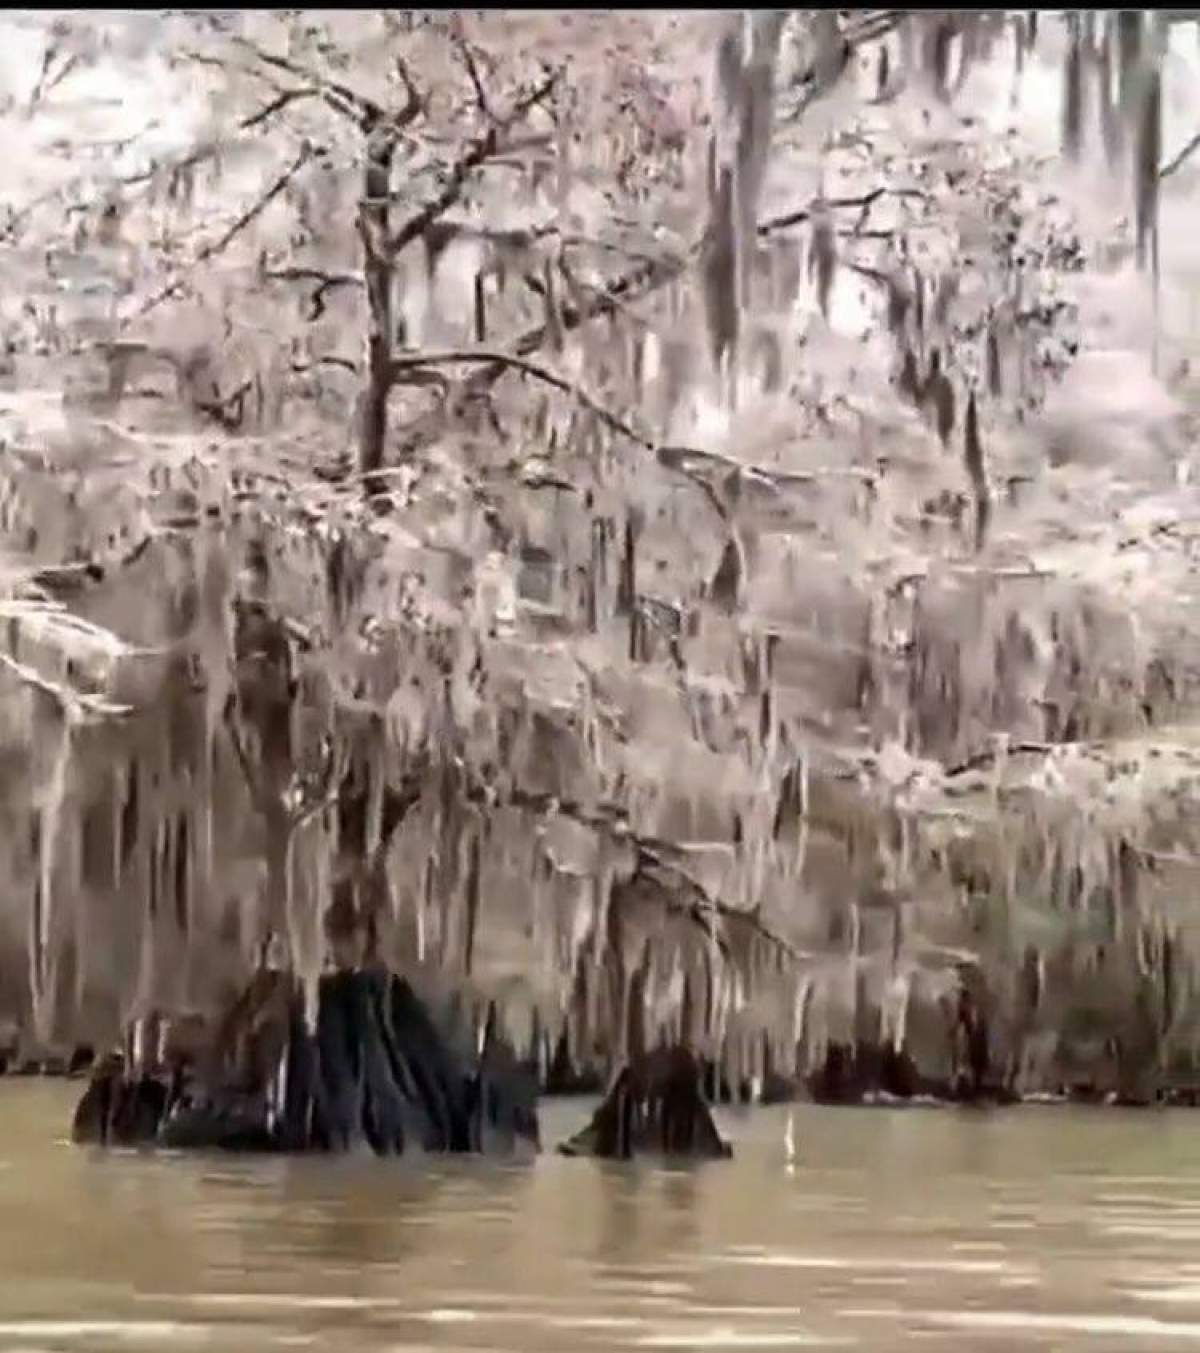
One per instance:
(1179, 160)
(633, 285)
(276, 105)
(47, 83)
(651, 857)
(476, 155)
(408, 361)
(245, 219)
(701, 906)
(864, 202)
(77, 706)
(467, 56)
(671, 458)
(325, 282)
(363, 112)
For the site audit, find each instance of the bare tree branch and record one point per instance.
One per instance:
(341, 98)
(682, 459)
(475, 155)
(1178, 161)
(670, 458)
(276, 105)
(702, 907)
(46, 83)
(408, 361)
(650, 854)
(365, 113)
(630, 286)
(467, 56)
(325, 282)
(864, 202)
(246, 218)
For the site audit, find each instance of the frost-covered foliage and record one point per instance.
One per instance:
(676, 520)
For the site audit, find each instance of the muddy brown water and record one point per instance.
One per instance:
(1047, 1228)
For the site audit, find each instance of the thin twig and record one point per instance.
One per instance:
(475, 155)
(669, 457)
(1178, 161)
(247, 217)
(276, 105)
(633, 285)
(982, 760)
(44, 84)
(407, 361)
(412, 94)
(362, 111)
(463, 47)
(681, 459)
(365, 113)
(863, 202)
(325, 282)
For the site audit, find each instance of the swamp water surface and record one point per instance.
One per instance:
(1047, 1228)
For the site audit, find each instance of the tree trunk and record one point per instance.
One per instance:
(374, 223)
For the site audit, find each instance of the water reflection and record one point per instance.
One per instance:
(611, 1192)
(1046, 1229)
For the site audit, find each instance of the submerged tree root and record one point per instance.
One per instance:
(77, 1063)
(654, 1106)
(866, 1073)
(375, 1073)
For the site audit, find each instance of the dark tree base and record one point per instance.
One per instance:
(654, 1106)
(376, 1073)
(865, 1072)
(564, 1078)
(77, 1064)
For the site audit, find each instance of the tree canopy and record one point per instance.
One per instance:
(678, 519)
